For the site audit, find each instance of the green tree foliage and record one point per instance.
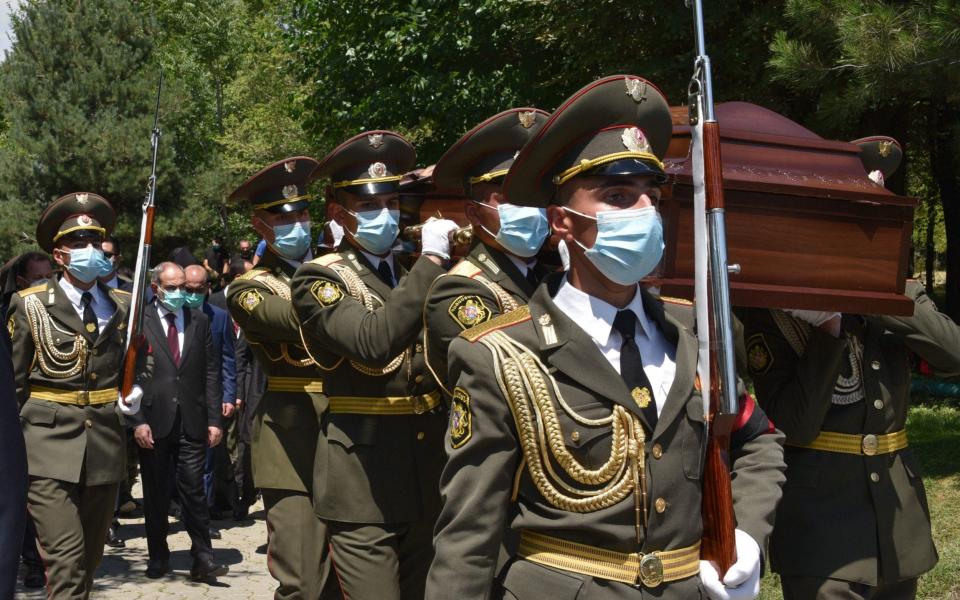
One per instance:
(885, 67)
(77, 94)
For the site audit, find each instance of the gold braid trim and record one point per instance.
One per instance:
(504, 299)
(359, 291)
(526, 384)
(281, 288)
(53, 362)
(476, 332)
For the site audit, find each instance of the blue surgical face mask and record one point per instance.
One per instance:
(193, 299)
(86, 264)
(629, 243)
(172, 300)
(292, 241)
(523, 229)
(106, 268)
(377, 229)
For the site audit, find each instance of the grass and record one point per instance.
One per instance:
(934, 433)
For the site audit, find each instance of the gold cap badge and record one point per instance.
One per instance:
(81, 198)
(377, 170)
(375, 140)
(636, 89)
(527, 118)
(289, 191)
(634, 140)
(290, 166)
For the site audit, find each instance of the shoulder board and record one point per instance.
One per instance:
(33, 290)
(499, 322)
(465, 268)
(119, 291)
(252, 274)
(327, 259)
(680, 301)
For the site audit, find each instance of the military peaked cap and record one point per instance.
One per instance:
(616, 126)
(880, 153)
(485, 153)
(368, 164)
(280, 187)
(77, 214)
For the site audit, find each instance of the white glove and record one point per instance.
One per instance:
(435, 237)
(742, 581)
(876, 176)
(131, 404)
(814, 317)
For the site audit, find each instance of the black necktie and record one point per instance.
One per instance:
(531, 277)
(89, 317)
(631, 366)
(386, 274)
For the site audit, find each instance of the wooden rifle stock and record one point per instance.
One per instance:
(719, 521)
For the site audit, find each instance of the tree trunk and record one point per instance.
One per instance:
(942, 142)
(930, 254)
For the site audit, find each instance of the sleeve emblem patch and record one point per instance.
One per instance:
(461, 421)
(468, 311)
(250, 299)
(327, 293)
(759, 357)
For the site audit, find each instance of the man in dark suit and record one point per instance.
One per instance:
(13, 473)
(251, 385)
(179, 417)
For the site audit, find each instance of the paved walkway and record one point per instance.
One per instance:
(121, 574)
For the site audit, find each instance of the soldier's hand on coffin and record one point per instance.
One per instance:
(131, 404)
(435, 237)
(742, 580)
(828, 321)
(143, 435)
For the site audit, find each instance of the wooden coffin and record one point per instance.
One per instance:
(807, 226)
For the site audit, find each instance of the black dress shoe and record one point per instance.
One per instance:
(205, 568)
(261, 549)
(34, 576)
(113, 537)
(215, 534)
(240, 512)
(157, 569)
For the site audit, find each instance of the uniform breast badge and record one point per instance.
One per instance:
(250, 299)
(758, 354)
(641, 396)
(327, 293)
(461, 421)
(468, 311)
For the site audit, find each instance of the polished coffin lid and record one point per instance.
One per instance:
(805, 223)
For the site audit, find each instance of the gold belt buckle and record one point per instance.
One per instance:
(651, 570)
(419, 405)
(83, 398)
(870, 444)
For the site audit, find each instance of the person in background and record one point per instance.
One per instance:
(216, 473)
(245, 250)
(217, 260)
(181, 416)
(251, 386)
(258, 254)
(113, 279)
(13, 473)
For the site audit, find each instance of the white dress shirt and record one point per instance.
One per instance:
(102, 306)
(179, 321)
(376, 260)
(596, 317)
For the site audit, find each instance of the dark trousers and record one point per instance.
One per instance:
(243, 475)
(821, 588)
(183, 458)
(29, 552)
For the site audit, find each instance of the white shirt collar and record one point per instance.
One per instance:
(114, 283)
(163, 311)
(521, 263)
(376, 260)
(75, 294)
(596, 316)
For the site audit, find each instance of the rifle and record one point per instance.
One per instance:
(717, 367)
(135, 335)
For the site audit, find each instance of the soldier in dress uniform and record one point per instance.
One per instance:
(68, 341)
(577, 420)
(380, 449)
(500, 272)
(854, 521)
(287, 419)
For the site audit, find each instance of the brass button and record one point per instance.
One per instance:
(878, 404)
(421, 435)
(93, 376)
(875, 365)
(875, 477)
(657, 451)
(870, 444)
(418, 379)
(575, 436)
(88, 423)
(418, 348)
(660, 505)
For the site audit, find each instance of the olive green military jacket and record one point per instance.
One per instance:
(480, 287)
(287, 419)
(852, 517)
(52, 351)
(496, 474)
(379, 455)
